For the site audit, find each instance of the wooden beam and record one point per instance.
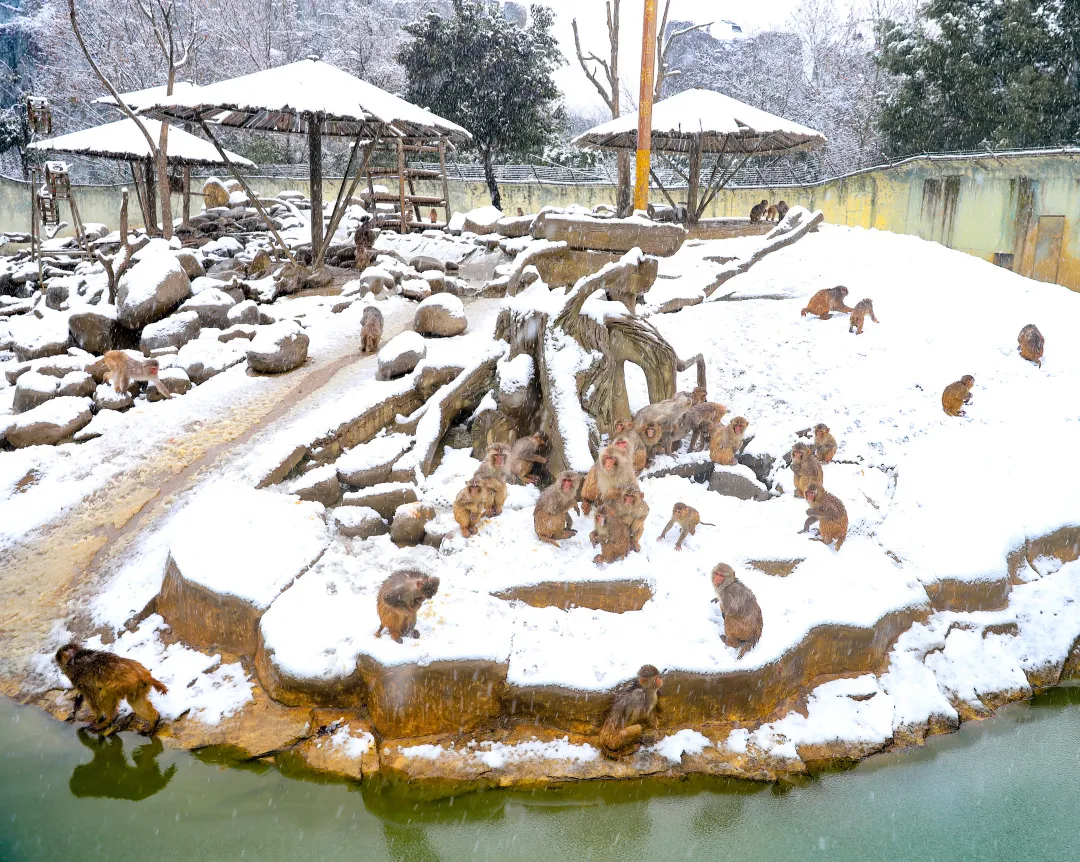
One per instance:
(404, 223)
(693, 183)
(445, 181)
(187, 193)
(150, 184)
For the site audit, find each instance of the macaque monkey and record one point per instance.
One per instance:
(956, 395)
(824, 443)
(105, 679)
(824, 302)
(726, 440)
(805, 466)
(520, 212)
(740, 609)
(433, 217)
(687, 518)
(633, 510)
(771, 214)
(858, 316)
(652, 434)
(662, 424)
(470, 505)
(611, 534)
(612, 473)
(630, 710)
(1030, 344)
(702, 419)
(400, 597)
(829, 512)
(525, 453)
(635, 445)
(782, 210)
(495, 473)
(551, 517)
(371, 327)
(757, 211)
(122, 369)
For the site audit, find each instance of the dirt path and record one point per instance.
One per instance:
(52, 571)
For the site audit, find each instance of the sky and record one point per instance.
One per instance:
(590, 14)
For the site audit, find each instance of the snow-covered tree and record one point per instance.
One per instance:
(489, 75)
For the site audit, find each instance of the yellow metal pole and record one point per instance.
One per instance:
(644, 135)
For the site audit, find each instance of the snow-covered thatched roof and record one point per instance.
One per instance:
(720, 123)
(284, 98)
(123, 140)
(138, 98)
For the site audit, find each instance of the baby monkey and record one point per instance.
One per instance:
(702, 419)
(687, 518)
(400, 598)
(495, 473)
(858, 316)
(105, 679)
(470, 505)
(122, 369)
(824, 443)
(633, 510)
(551, 517)
(726, 440)
(1030, 343)
(612, 535)
(630, 711)
(525, 453)
(956, 395)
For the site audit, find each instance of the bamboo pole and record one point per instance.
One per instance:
(644, 137)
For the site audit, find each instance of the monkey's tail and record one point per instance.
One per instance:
(706, 524)
(159, 686)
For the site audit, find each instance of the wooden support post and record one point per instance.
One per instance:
(150, 186)
(445, 181)
(343, 200)
(135, 178)
(644, 137)
(254, 198)
(693, 182)
(314, 131)
(187, 193)
(401, 186)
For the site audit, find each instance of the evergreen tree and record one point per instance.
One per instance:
(970, 74)
(489, 75)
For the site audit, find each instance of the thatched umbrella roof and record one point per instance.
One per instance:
(718, 123)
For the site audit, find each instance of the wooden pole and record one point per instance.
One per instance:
(693, 182)
(644, 136)
(150, 183)
(187, 193)
(445, 181)
(254, 198)
(314, 122)
(339, 211)
(401, 187)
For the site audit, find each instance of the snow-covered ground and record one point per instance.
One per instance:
(930, 497)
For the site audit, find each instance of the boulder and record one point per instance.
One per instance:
(237, 330)
(173, 379)
(260, 264)
(423, 262)
(482, 220)
(243, 312)
(278, 348)
(320, 485)
(107, 398)
(442, 314)
(77, 383)
(202, 359)
(102, 422)
(738, 481)
(416, 289)
(57, 293)
(150, 290)
(384, 498)
(94, 329)
(376, 280)
(215, 194)
(32, 390)
(191, 263)
(409, 522)
(50, 423)
(212, 306)
(400, 355)
(435, 278)
(617, 235)
(49, 338)
(174, 331)
(371, 463)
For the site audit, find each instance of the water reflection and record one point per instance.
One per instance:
(408, 843)
(109, 775)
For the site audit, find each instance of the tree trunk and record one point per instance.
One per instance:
(150, 189)
(624, 195)
(489, 176)
(314, 122)
(163, 182)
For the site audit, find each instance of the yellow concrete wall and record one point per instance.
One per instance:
(982, 205)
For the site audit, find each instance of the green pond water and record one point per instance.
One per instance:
(1003, 789)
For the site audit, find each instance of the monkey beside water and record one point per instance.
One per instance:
(687, 518)
(371, 329)
(104, 679)
(630, 711)
(739, 608)
(399, 601)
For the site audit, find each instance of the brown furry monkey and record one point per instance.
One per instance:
(687, 518)
(739, 607)
(551, 517)
(123, 369)
(104, 679)
(399, 600)
(630, 711)
(371, 328)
